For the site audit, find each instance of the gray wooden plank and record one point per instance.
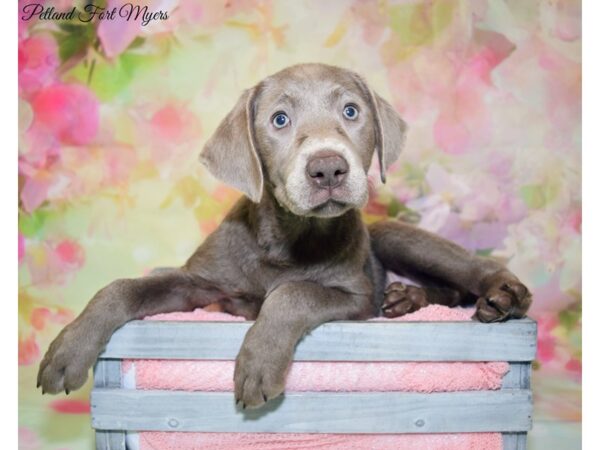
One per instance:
(107, 374)
(514, 441)
(325, 412)
(336, 341)
(110, 440)
(518, 376)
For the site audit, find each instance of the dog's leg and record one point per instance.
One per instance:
(69, 357)
(288, 313)
(410, 251)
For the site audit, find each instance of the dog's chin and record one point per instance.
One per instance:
(330, 208)
(321, 204)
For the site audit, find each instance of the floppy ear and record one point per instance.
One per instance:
(230, 154)
(390, 130)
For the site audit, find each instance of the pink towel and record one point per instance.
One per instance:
(322, 376)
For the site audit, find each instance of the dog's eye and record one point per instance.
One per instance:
(350, 112)
(280, 120)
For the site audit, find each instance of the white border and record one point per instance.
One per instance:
(9, 225)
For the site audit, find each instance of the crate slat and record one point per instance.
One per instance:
(107, 374)
(514, 441)
(335, 341)
(518, 376)
(507, 410)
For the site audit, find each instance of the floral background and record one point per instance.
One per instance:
(113, 114)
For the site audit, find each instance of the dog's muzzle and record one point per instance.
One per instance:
(325, 179)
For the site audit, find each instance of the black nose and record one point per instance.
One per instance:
(327, 169)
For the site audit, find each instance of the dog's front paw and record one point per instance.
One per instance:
(66, 363)
(400, 299)
(505, 299)
(259, 375)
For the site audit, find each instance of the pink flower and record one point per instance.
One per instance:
(473, 235)
(35, 190)
(28, 439)
(40, 316)
(170, 132)
(169, 123)
(464, 122)
(29, 351)
(574, 220)
(563, 17)
(546, 339)
(54, 263)
(70, 253)
(574, 365)
(451, 134)
(21, 247)
(472, 209)
(38, 61)
(116, 35)
(68, 112)
(68, 406)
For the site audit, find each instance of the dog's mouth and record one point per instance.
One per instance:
(329, 205)
(316, 204)
(321, 196)
(323, 202)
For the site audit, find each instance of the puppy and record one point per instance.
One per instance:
(294, 252)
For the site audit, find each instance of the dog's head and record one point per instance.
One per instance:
(308, 133)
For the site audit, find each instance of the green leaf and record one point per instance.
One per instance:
(537, 196)
(137, 42)
(31, 224)
(74, 40)
(420, 23)
(109, 78)
(71, 27)
(394, 208)
(569, 318)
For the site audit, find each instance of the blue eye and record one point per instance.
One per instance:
(350, 112)
(280, 120)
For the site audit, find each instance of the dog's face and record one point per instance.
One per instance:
(308, 133)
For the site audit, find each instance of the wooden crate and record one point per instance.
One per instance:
(116, 410)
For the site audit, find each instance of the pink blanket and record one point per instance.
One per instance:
(321, 376)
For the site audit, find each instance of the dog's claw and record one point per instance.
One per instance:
(265, 398)
(67, 391)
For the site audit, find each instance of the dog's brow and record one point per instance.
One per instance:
(285, 98)
(337, 93)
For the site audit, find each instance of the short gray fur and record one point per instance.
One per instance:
(507, 410)
(336, 341)
(107, 374)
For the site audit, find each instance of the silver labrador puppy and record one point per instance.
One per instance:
(294, 252)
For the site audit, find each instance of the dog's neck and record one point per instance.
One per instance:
(288, 238)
